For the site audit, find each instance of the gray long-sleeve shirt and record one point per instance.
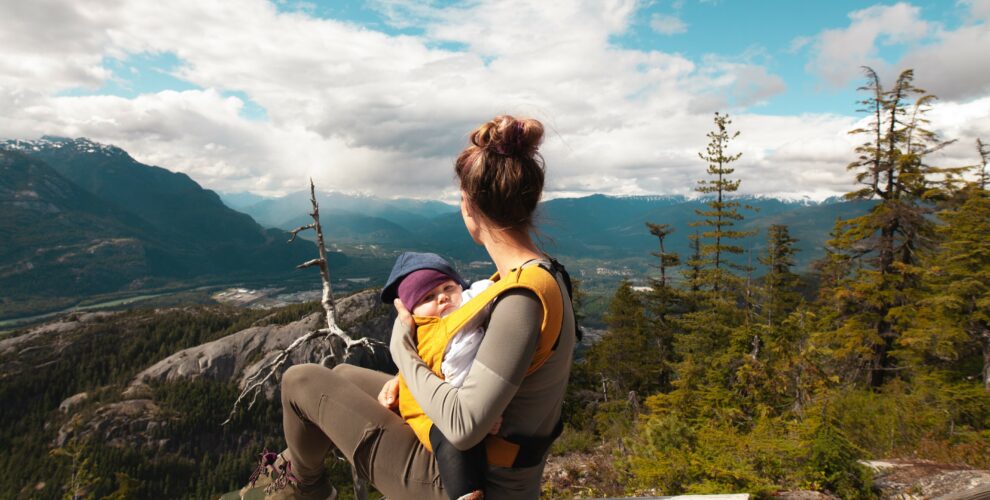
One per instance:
(497, 385)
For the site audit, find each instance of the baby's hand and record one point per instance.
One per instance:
(496, 427)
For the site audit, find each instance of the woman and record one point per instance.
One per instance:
(501, 179)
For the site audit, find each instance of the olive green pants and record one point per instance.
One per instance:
(339, 407)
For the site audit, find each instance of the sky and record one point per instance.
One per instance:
(379, 97)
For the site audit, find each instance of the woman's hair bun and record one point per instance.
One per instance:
(508, 136)
(501, 172)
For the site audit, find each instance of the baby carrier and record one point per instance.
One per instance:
(434, 334)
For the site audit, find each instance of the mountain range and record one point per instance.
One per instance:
(600, 228)
(80, 219)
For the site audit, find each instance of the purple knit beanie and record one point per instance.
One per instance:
(417, 284)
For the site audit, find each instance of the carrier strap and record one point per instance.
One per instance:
(528, 451)
(555, 268)
(520, 451)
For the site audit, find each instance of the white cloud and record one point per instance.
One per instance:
(50, 45)
(837, 54)
(964, 122)
(950, 67)
(979, 9)
(362, 110)
(667, 24)
(946, 61)
(737, 81)
(798, 43)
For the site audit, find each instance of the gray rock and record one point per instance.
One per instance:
(52, 333)
(120, 424)
(240, 355)
(910, 479)
(137, 390)
(72, 402)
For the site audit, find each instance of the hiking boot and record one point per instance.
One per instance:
(274, 479)
(322, 490)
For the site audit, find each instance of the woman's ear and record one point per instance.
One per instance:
(472, 222)
(467, 209)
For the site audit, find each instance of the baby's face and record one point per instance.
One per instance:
(443, 299)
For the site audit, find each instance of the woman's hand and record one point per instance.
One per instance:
(404, 315)
(389, 395)
(402, 332)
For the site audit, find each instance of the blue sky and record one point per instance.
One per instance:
(768, 31)
(256, 95)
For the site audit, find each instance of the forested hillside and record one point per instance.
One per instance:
(88, 424)
(83, 219)
(735, 381)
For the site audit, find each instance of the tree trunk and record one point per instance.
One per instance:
(985, 341)
(881, 358)
(663, 267)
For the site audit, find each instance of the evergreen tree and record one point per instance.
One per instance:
(766, 378)
(957, 316)
(886, 241)
(984, 151)
(722, 213)
(713, 338)
(666, 259)
(665, 303)
(694, 270)
(627, 356)
(780, 284)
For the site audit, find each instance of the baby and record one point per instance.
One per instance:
(428, 285)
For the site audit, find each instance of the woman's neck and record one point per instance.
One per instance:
(510, 249)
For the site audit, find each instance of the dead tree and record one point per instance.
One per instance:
(254, 384)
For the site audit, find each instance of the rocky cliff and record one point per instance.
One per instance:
(238, 356)
(134, 419)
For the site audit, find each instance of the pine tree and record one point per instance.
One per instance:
(766, 379)
(780, 284)
(627, 355)
(886, 241)
(665, 303)
(722, 213)
(958, 312)
(666, 259)
(984, 152)
(713, 339)
(694, 270)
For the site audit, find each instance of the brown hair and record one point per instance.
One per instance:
(501, 171)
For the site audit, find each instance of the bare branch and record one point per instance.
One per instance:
(300, 228)
(255, 383)
(310, 263)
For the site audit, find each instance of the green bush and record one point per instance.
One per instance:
(833, 463)
(670, 456)
(901, 417)
(573, 440)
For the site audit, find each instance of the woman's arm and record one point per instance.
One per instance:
(465, 415)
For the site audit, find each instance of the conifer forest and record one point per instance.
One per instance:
(717, 379)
